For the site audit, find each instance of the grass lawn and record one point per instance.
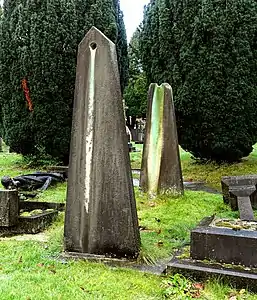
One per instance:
(31, 270)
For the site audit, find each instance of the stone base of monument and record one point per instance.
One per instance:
(237, 276)
(228, 253)
(32, 205)
(157, 269)
(122, 262)
(235, 245)
(35, 223)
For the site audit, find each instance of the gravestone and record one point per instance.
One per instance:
(222, 244)
(9, 207)
(161, 167)
(101, 215)
(245, 185)
(243, 194)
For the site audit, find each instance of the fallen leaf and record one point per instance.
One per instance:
(51, 268)
(198, 285)
(157, 220)
(40, 265)
(20, 260)
(152, 204)
(160, 243)
(159, 231)
(241, 292)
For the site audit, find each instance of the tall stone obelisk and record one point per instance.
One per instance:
(101, 216)
(161, 167)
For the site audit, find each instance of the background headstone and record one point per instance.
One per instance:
(101, 215)
(161, 167)
(9, 207)
(244, 184)
(243, 195)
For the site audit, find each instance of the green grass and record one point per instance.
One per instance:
(169, 220)
(209, 172)
(32, 270)
(135, 157)
(212, 172)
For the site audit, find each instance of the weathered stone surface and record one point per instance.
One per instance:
(245, 208)
(161, 167)
(32, 205)
(9, 207)
(243, 194)
(32, 224)
(244, 184)
(101, 215)
(202, 271)
(224, 245)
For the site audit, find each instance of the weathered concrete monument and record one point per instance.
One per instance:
(161, 167)
(101, 215)
(25, 217)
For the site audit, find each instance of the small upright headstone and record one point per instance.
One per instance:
(101, 215)
(242, 195)
(9, 207)
(161, 167)
(245, 185)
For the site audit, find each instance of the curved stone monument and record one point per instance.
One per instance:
(161, 167)
(101, 215)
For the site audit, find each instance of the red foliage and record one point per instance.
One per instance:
(24, 84)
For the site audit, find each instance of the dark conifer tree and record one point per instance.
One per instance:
(136, 92)
(207, 52)
(38, 60)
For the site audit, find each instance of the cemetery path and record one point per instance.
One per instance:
(197, 186)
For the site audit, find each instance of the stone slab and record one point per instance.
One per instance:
(9, 207)
(31, 205)
(157, 269)
(36, 223)
(223, 244)
(30, 224)
(200, 271)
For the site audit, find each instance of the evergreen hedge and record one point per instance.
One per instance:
(207, 51)
(135, 94)
(38, 47)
